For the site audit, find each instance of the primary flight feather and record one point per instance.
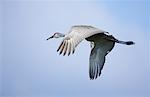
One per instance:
(101, 42)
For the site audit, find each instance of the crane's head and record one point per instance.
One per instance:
(56, 35)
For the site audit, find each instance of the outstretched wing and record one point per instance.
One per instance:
(75, 36)
(102, 47)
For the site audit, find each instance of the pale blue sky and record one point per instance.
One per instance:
(30, 65)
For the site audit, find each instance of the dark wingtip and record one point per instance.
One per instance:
(64, 54)
(57, 50)
(60, 53)
(93, 78)
(73, 51)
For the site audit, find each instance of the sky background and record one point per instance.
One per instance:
(31, 67)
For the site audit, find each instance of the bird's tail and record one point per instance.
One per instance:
(125, 42)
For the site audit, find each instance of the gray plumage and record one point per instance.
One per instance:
(101, 42)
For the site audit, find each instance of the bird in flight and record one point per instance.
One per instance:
(101, 44)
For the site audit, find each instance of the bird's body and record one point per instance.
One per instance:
(101, 40)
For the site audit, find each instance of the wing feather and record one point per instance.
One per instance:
(62, 47)
(65, 48)
(69, 47)
(97, 60)
(97, 57)
(73, 46)
(102, 45)
(75, 36)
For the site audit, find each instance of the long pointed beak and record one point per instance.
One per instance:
(49, 38)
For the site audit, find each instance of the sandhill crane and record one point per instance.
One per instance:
(101, 42)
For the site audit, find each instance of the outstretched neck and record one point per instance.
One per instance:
(60, 35)
(57, 35)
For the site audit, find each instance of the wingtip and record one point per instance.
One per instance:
(60, 52)
(57, 50)
(68, 54)
(73, 51)
(64, 54)
(94, 78)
